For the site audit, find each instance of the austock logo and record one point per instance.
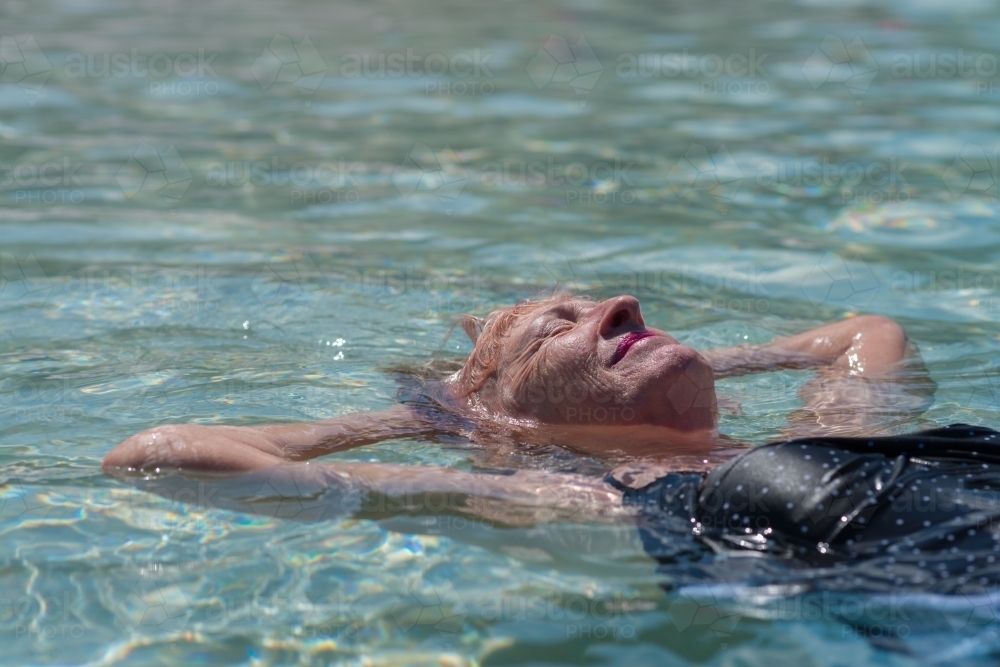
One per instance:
(426, 171)
(718, 609)
(43, 615)
(559, 273)
(701, 170)
(157, 390)
(291, 493)
(287, 277)
(896, 617)
(583, 616)
(713, 608)
(21, 278)
(20, 501)
(982, 384)
(975, 611)
(23, 63)
(153, 602)
(151, 171)
(436, 608)
(836, 62)
(974, 171)
(40, 399)
(285, 62)
(558, 62)
(294, 276)
(836, 282)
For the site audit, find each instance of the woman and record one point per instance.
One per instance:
(591, 376)
(576, 373)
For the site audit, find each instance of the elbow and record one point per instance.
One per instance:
(881, 341)
(162, 446)
(886, 330)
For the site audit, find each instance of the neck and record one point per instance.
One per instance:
(599, 440)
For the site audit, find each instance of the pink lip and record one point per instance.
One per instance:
(626, 343)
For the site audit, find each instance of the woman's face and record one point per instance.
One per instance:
(586, 363)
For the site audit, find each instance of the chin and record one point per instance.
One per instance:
(673, 386)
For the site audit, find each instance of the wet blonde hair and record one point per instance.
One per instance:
(488, 335)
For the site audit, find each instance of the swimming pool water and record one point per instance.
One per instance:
(246, 212)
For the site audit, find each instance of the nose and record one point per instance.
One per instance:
(620, 314)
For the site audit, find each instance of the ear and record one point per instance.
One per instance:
(472, 326)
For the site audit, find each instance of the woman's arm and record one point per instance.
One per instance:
(864, 345)
(244, 448)
(277, 481)
(315, 491)
(870, 379)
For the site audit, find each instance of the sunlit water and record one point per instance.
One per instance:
(207, 218)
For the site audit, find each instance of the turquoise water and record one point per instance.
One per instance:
(245, 212)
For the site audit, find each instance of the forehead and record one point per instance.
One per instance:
(537, 317)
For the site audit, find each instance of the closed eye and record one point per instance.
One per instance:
(560, 321)
(554, 322)
(556, 328)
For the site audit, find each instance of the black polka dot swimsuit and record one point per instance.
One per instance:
(918, 511)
